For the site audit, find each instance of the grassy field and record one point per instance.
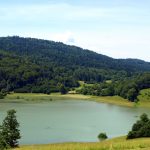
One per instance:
(113, 144)
(29, 97)
(144, 99)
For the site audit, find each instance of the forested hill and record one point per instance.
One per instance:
(34, 65)
(65, 55)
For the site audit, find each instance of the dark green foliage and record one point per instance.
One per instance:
(141, 128)
(128, 88)
(132, 94)
(3, 144)
(64, 55)
(9, 130)
(3, 93)
(102, 136)
(25, 77)
(63, 89)
(40, 66)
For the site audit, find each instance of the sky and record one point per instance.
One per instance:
(117, 28)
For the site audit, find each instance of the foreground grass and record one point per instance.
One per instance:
(113, 144)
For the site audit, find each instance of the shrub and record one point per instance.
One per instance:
(141, 128)
(102, 136)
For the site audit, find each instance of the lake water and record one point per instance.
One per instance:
(71, 120)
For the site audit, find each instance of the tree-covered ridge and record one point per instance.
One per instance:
(44, 51)
(41, 66)
(23, 74)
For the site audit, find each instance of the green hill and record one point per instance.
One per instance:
(65, 55)
(41, 66)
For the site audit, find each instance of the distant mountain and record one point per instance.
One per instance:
(35, 65)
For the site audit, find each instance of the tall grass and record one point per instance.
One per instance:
(114, 144)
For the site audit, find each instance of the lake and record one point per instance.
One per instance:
(71, 120)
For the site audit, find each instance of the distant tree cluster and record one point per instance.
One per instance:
(141, 128)
(24, 76)
(128, 88)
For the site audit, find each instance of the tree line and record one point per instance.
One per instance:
(128, 88)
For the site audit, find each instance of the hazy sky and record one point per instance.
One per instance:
(117, 28)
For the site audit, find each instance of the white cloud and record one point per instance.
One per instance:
(118, 44)
(66, 37)
(63, 11)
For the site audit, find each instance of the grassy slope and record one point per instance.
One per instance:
(144, 98)
(113, 144)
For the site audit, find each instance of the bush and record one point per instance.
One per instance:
(2, 94)
(102, 136)
(63, 89)
(141, 128)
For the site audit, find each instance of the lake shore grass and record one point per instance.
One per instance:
(119, 143)
(34, 97)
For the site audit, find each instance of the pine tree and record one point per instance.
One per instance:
(10, 132)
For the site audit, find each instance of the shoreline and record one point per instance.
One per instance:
(116, 142)
(36, 97)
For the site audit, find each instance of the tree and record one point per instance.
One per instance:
(102, 136)
(132, 94)
(3, 144)
(9, 129)
(63, 89)
(141, 128)
(2, 94)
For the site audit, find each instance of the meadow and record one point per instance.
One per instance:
(113, 144)
(144, 98)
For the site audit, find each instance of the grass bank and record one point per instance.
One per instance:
(114, 144)
(144, 98)
(31, 97)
